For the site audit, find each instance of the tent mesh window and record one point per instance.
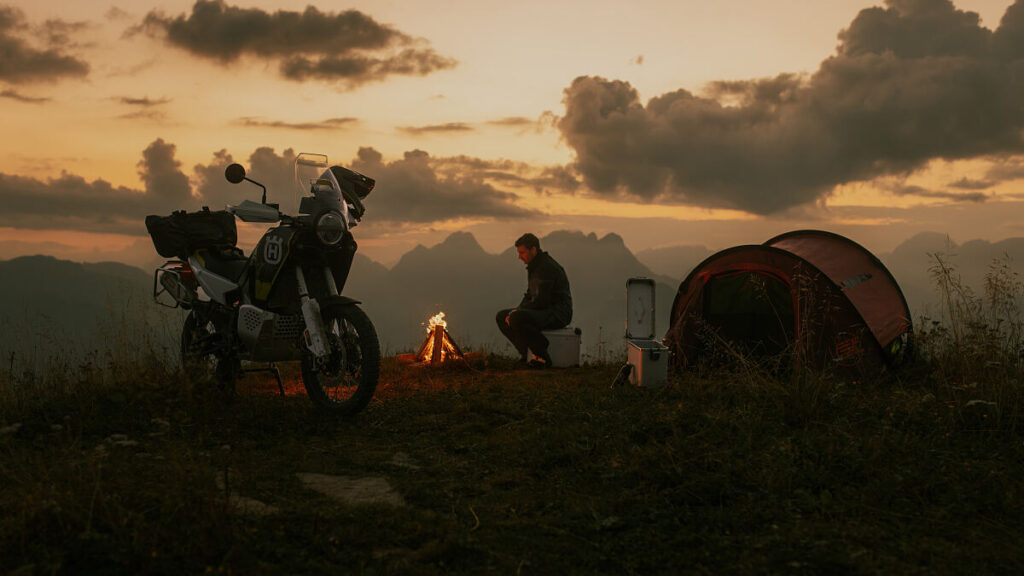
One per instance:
(753, 309)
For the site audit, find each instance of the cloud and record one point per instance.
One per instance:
(415, 189)
(448, 127)
(151, 115)
(915, 81)
(1006, 169)
(513, 122)
(412, 190)
(966, 183)
(328, 124)
(14, 95)
(59, 33)
(921, 192)
(349, 47)
(68, 201)
(115, 13)
(273, 170)
(543, 179)
(144, 102)
(22, 63)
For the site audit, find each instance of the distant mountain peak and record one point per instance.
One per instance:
(461, 241)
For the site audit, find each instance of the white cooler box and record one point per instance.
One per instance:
(564, 346)
(647, 357)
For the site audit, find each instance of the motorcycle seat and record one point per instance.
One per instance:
(227, 262)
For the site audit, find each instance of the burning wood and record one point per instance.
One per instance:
(439, 346)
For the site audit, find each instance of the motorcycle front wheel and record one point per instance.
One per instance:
(344, 382)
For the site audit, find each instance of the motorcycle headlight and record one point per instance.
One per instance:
(330, 227)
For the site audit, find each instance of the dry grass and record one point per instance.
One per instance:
(125, 468)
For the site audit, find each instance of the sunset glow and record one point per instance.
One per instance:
(668, 123)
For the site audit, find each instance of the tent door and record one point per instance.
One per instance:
(752, 310)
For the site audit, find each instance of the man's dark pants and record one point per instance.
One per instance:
(524, 329)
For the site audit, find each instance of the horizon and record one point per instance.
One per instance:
(669, 124)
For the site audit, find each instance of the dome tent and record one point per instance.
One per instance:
(813, 297)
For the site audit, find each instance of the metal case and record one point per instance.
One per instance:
(647, 357)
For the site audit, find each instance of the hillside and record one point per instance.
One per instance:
(58, 305)
(470, 285)
(66, 303)
(58, 309)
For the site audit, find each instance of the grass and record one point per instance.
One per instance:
(123, 467)
(526, 472)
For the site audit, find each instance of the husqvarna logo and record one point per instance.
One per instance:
(273, 251)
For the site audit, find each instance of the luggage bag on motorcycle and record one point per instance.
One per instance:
(181, 233)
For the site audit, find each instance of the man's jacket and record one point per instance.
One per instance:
(548, 287)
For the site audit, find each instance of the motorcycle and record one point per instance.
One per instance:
(281, 303)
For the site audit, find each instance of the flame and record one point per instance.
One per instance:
(436, 320)
(437, 336)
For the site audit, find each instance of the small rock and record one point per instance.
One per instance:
(121, 440)
(403, 460)
(353, 491)
(8, 430)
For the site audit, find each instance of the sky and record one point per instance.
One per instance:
(666, 122)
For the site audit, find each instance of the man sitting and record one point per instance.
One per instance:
(547, 304)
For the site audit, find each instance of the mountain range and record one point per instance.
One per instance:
(54, 308)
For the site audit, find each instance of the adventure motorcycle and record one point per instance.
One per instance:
(281, 303)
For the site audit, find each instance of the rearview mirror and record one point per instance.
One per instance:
(235, 173)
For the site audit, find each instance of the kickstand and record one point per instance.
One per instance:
(277, 376)
(272, 368)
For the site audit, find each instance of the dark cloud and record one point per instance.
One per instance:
(20, 62)
(412, 190)
(275, 171)
(508, 122)
(14, 95)
(546, 179)
(328, 124)
(921, 192)
(70, 202)
(966, 183)
(146, 114)
(909, 83)
(60, 33)
(415, 189)
(448, 127)
(115, 13)
(165, 184)
(350, 46)
(1006, 169)
(145, 102)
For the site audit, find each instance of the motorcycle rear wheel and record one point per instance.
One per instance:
(344, 383)
(199, 366)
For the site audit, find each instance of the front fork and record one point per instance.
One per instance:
(315, 334)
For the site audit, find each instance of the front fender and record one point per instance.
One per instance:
(338, 301)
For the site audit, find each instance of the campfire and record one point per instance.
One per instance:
(438, 347)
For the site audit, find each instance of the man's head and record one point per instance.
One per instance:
(527, 246)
